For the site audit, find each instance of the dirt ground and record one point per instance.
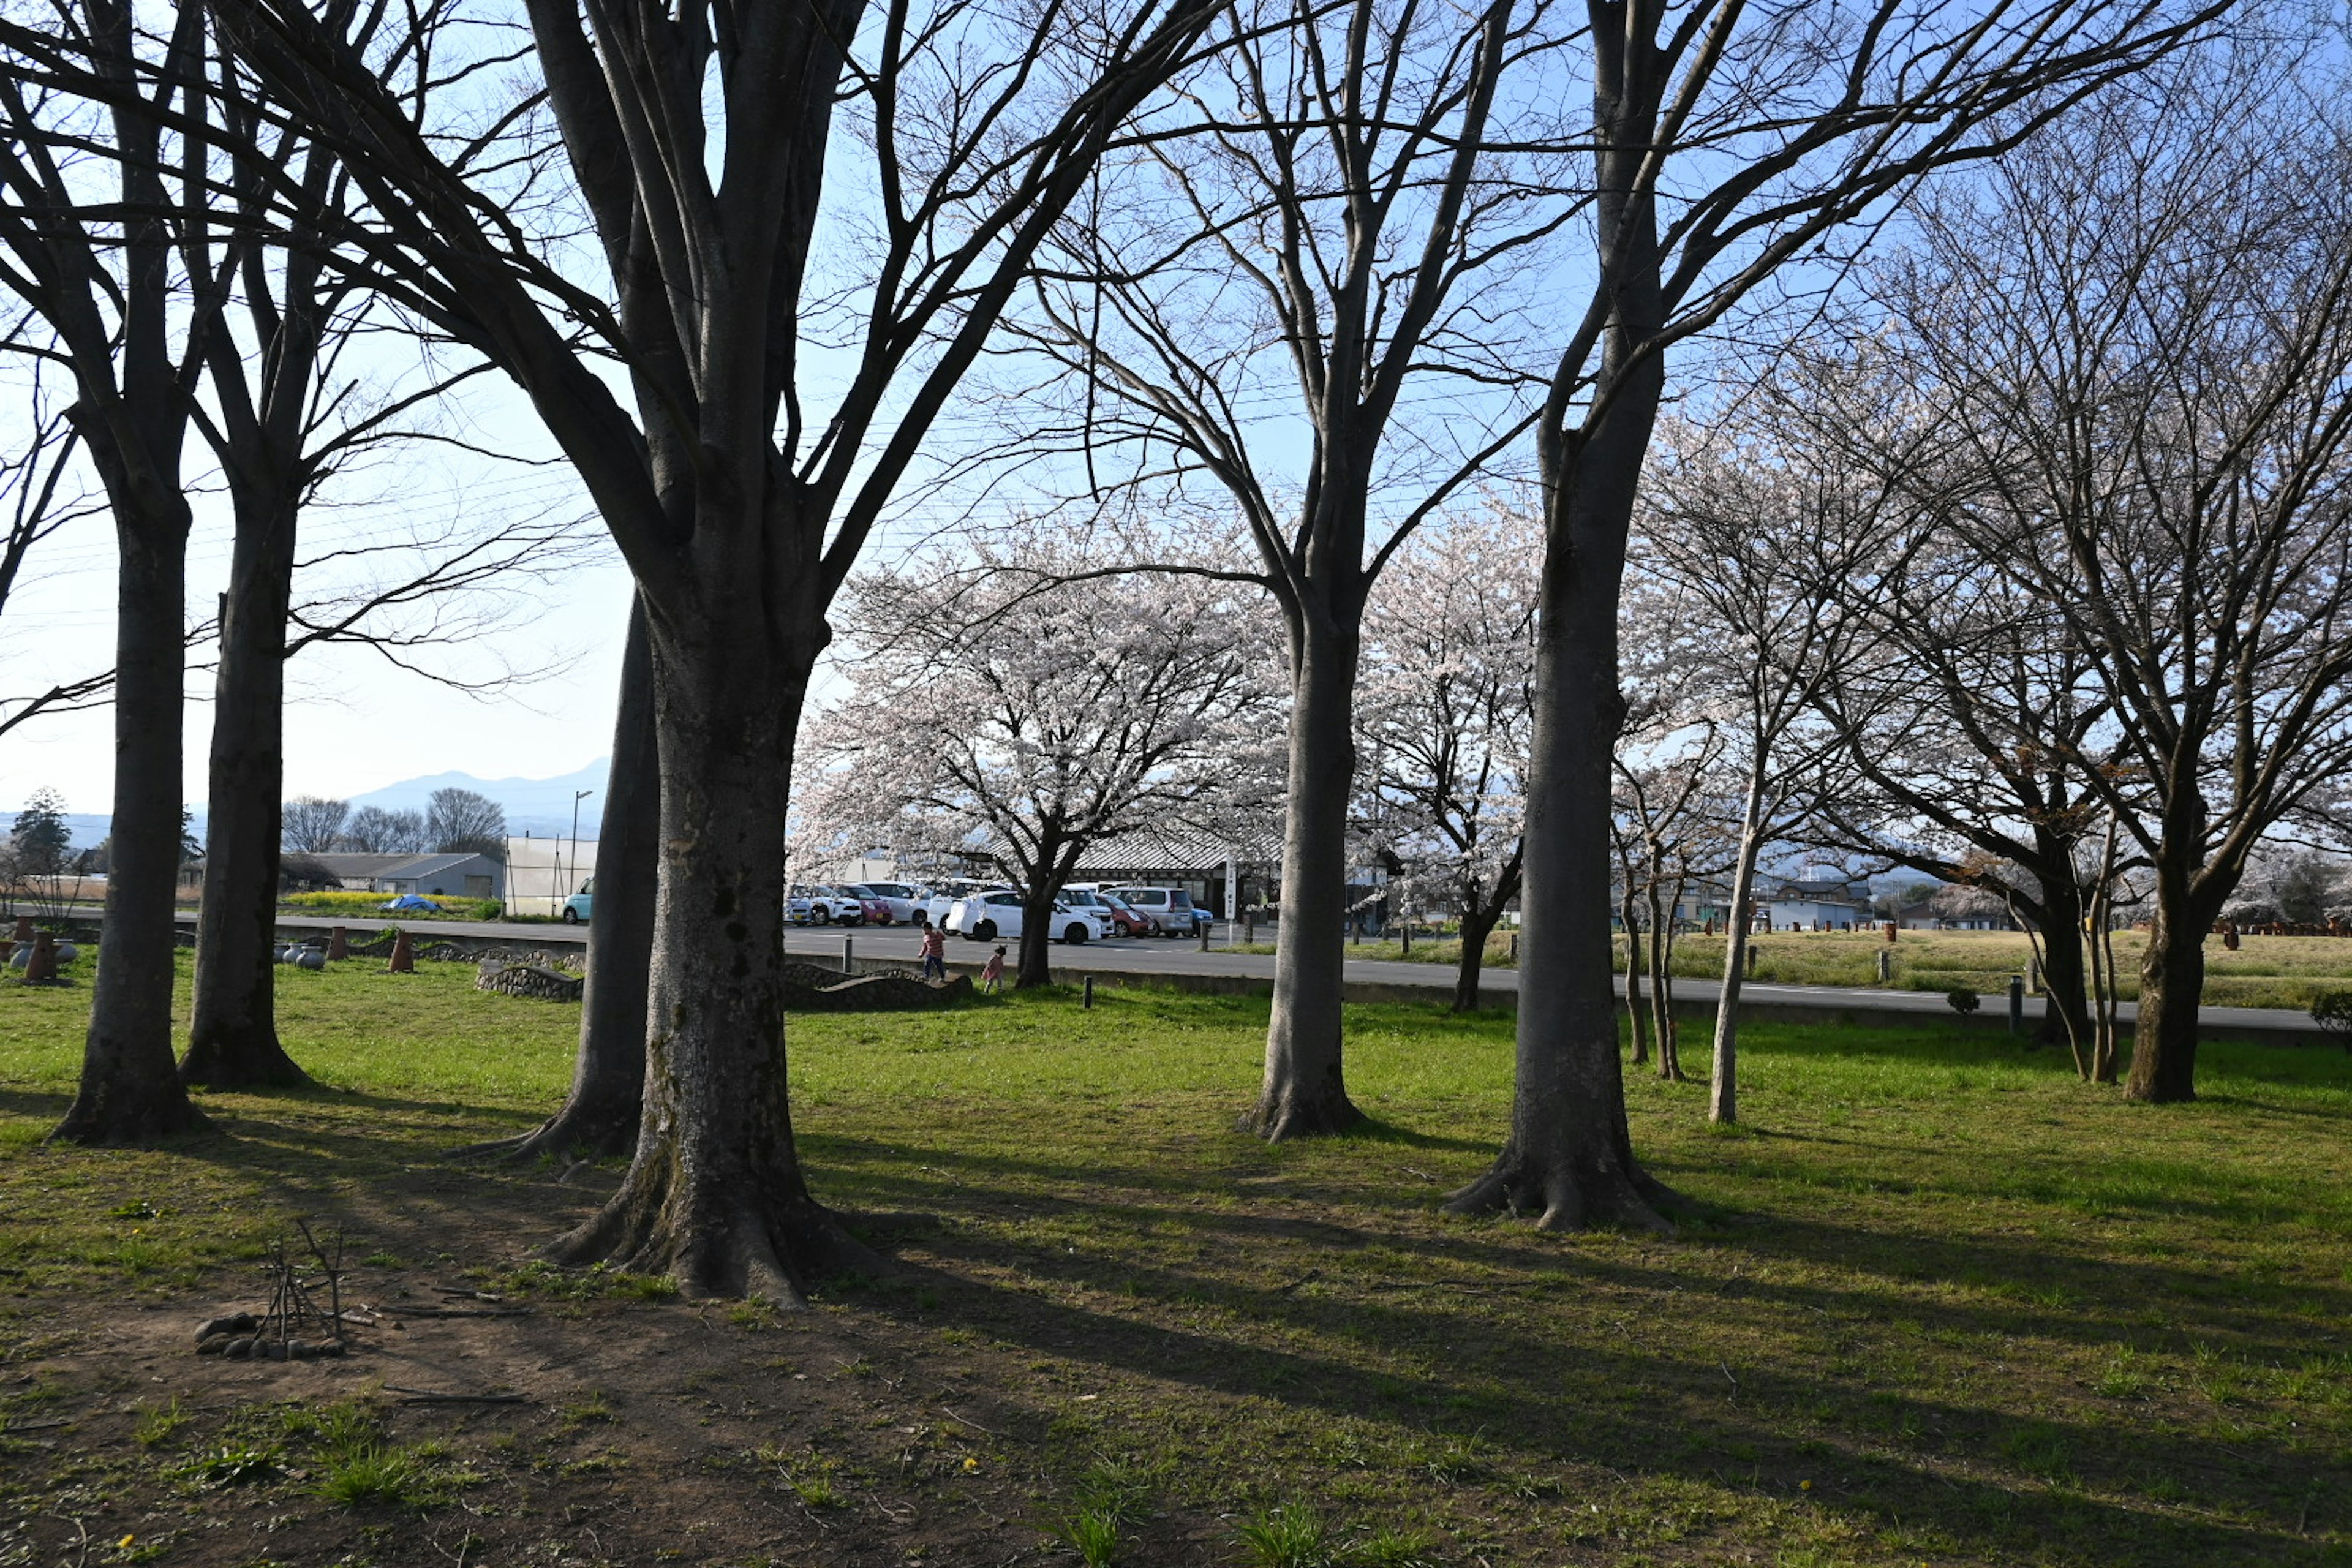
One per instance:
(907, 1422)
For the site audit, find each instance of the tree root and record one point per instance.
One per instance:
(1562, 1198)
(1282, 1116)
(249, 1064)
(571, 1133)
(118, 1122)
(773, 1252)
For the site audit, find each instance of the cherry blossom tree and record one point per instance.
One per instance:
(1000, 712)
(1442, 715)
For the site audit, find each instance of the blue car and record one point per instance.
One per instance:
(576, 906)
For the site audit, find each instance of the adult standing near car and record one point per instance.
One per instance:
(935, 948)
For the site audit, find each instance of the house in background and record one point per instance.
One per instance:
(1820, 903)
(543, 872)
(455, 875)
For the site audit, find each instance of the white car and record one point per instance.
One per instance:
(941, 897)
(819, 905)
(897, 897)
(996, 917)
(1094, 904)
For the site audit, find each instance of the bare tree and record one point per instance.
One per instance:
(1726, 141)
(699, 147)
(1779, 564)
(2140, 331)
(87, 244)
(40, 500)
(313, 826)
(372, 830)
(459, 820)
(1339, 233)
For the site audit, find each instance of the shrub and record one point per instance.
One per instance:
(1963, 1000)
(2332, 1011)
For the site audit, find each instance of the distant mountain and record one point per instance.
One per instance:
(541, 808)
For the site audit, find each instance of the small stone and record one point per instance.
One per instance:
(211, 1344)
(275, 1350)
(332, 1348)
(300, 1350)
(238, 1348)
(234, 1324)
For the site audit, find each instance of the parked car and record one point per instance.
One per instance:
(996, 917)
(897, 900)
(1170, 909)
(873, 909)
(1121, 917)
(941, 897)
(819, 905)
(577, 907)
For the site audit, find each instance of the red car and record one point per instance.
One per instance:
(1124, 920)
(874, 910)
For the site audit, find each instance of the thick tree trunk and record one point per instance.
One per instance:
(1036, 933)
(714, 1197)
(2171, 985)
(1723, 1079)
(233, 1043)
(2065, 988)
(608, 1082)
(131, 1091)
(1304, 1090)
(1569, 1158)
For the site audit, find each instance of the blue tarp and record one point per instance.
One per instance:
(410, 901)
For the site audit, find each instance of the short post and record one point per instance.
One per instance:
(2033, 976)
(42, 967)
(338, 943)
(1249, 928)
(1405, 929)
(1885, 968)
(404, 953)
(1890, 933)
(24, 928)
(2017, 1004)
(1515, 947)
(845, 956)
(1205, 927)
(1753, 952)
(1090, 991)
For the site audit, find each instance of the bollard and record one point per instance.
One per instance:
(1090, 991)
(1249, 929)
(1515, 947)
(1885, 968)
(7, 949)
(1405, 929)
(338, 943)
(24, 928)
(403, 955)
(845, 956)
(43, 965)
(2034, 977)
(1206, 926)
(1890, 933)
(1753, 952)
(2017, 1004)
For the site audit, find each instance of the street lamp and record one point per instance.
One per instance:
(573, 843)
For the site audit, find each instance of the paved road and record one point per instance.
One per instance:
(1144, 957)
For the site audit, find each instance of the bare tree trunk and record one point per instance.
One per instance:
(1633, 961)
(1037, 925)
(1481, 912)
(1304, 1090)
(131, 1091)
(233, 1042)
(1662, 988)
(601, 1115)
(2066, 1009)
(714, 1197)
(2171, 984)
(1723, 1079)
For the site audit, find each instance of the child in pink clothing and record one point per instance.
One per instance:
(935, 949)
(991, 977)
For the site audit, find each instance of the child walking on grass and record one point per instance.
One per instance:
(991, 978)
(935, 949)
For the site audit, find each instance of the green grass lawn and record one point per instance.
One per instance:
(1948, 1306)
(2265, 972)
